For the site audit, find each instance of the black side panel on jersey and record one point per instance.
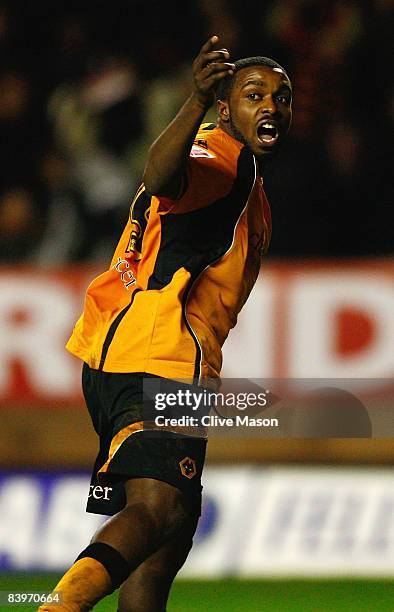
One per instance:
(114, 326)
(139, 215)
(196, 239)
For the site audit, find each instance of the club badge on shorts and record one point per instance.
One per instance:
(188, 467)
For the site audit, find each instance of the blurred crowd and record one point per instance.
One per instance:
(85, 87)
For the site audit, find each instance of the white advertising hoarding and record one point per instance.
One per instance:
(256, 522)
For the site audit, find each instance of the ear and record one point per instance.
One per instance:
(224, 111)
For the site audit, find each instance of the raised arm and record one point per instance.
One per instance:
(168, 155)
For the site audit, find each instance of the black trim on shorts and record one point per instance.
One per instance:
(115, 401)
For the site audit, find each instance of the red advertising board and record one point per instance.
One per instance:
(305, 320)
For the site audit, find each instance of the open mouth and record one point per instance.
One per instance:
(267, 134)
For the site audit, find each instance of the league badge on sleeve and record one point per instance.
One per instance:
(198, 151)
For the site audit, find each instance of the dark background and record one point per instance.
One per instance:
(86, 87)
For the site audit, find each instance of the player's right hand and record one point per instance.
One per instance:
(209, 67)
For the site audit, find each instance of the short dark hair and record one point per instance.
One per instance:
(225, 85)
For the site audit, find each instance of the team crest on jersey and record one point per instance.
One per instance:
(199, 151)
(139, 216)
(188, 467)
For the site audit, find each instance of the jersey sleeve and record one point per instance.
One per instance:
(209, 176)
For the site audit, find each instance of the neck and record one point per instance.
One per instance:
(234, 133)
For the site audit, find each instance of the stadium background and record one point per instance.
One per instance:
(288, 524)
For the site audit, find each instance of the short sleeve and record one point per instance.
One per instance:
(209, 176)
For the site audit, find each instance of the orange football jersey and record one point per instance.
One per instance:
(182, 270)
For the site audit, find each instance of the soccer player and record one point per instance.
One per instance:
(185, 265)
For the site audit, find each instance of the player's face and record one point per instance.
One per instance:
(259, 109)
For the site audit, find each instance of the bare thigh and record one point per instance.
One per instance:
(148, 587)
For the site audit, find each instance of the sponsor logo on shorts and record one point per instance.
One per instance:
(188, 467)
(98, 492)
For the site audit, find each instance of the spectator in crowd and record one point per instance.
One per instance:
(83, 92)
(20, 225)
(95, 120)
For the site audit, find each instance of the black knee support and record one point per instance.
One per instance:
(115, 564)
